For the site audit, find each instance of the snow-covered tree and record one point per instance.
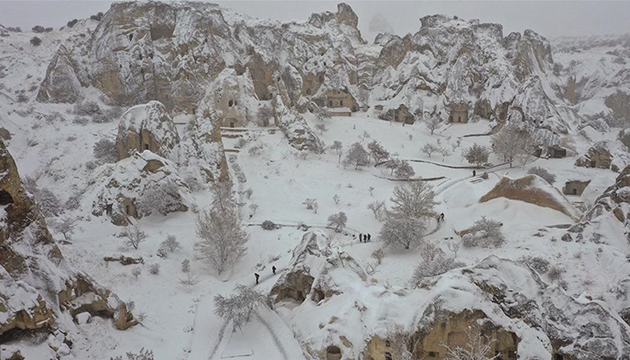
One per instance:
(222, 195)
(378, 254)
(433, 123)
(185, 266)
(338, 220)
(512, 142)
(323, 114)
(403, 231)
(240, 305)
(170, 243)
(477, 154)
(478, 347)
(393, 164)
(438, 266)
(356, 156)
(65, 226)
(163, 198)
(415, 199)
(337, 146)
(377, 151)
(429, 149)
(543, 173)
(484, 233)
(105, 151)
(404, 170)
(264, 116)
(133, 236)
(221, 238)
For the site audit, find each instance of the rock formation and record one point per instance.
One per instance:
(534, 190)
(137, 186)
(61, 84)
(146, 127)
(37, 284)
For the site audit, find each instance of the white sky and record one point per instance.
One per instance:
(549, 18)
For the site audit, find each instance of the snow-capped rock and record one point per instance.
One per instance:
(140, 185)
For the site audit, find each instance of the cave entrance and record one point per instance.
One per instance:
(5, 198)
(333, 353)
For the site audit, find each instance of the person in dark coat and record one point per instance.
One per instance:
(273, 268)
(369, 237)
(442, 216)
(474, 173)
(257, 277)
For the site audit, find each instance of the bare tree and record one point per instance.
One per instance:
(222, 195)
(454, 247)
(377, 208)
(377, 151)
(512, 142)
(105, 151)
(322, 128)
(405, 171)
(253, 208)
(134, 236)
(378, 254)
(429, 149)
(393, 164)
(477, 154)
(338, 220)
(484, 233)
(337, 146)
(364, 136)
(433, 123)
(478, 347)
(65, 226)
(221, 238)
(336, 199)
(543, 173)
(240, 305)
(189, 281)
(400, 343)
(264, 116)
(356, 156)
(170, 243)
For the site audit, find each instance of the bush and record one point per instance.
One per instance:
(537, 263)
(38, 29)
(98, 16)
(193, 183)
(105, 151)
(71, 23)
(108, 115)
(185, 266)
(136, 272)
(87, 108)
(35, 41)
(543, 173)
(154, 269)
(378, 254)
(555, 273)
(22, 98)
(80, 120)
(269, 225)
(484, 233)
(438, 266)
(48, 203)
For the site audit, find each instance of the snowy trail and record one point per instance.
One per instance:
(209, 331)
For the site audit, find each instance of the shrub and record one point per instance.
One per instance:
(543, 173)
(86, 108)
(80, 120)
(38, 29)
(485, 233)
(537, 263)
(35, 41)
(269, 225)
(71, 23)
(154, 269)
(185, 266)
(108, 115)
(477, 154)
(142, 355)
(91, 165)
(21, 98)
(105, 151)
(98, 16)
(438, 266)
(555, 273)
(136, 272)
(378, 254)
(170, 243)
(164, 198)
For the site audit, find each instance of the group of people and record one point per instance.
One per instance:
(365, 238)
(257, 275)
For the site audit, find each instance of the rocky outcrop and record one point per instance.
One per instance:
(534, 190)
(36, 282)
(611, 155)
(146, 127)
(140, 185)
(619, 103)
(61, 84)
(297, 131)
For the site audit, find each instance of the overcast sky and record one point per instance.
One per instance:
(549, 18)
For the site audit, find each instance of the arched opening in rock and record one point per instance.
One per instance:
(5, 198)
(388, 356)
(558, 357)
(333, 353)
(308, 91)
(230, 103)
(318, 295)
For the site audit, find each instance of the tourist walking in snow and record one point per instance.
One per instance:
(273, 268)
(257, 277)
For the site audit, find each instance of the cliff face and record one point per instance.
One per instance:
(36, 282)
